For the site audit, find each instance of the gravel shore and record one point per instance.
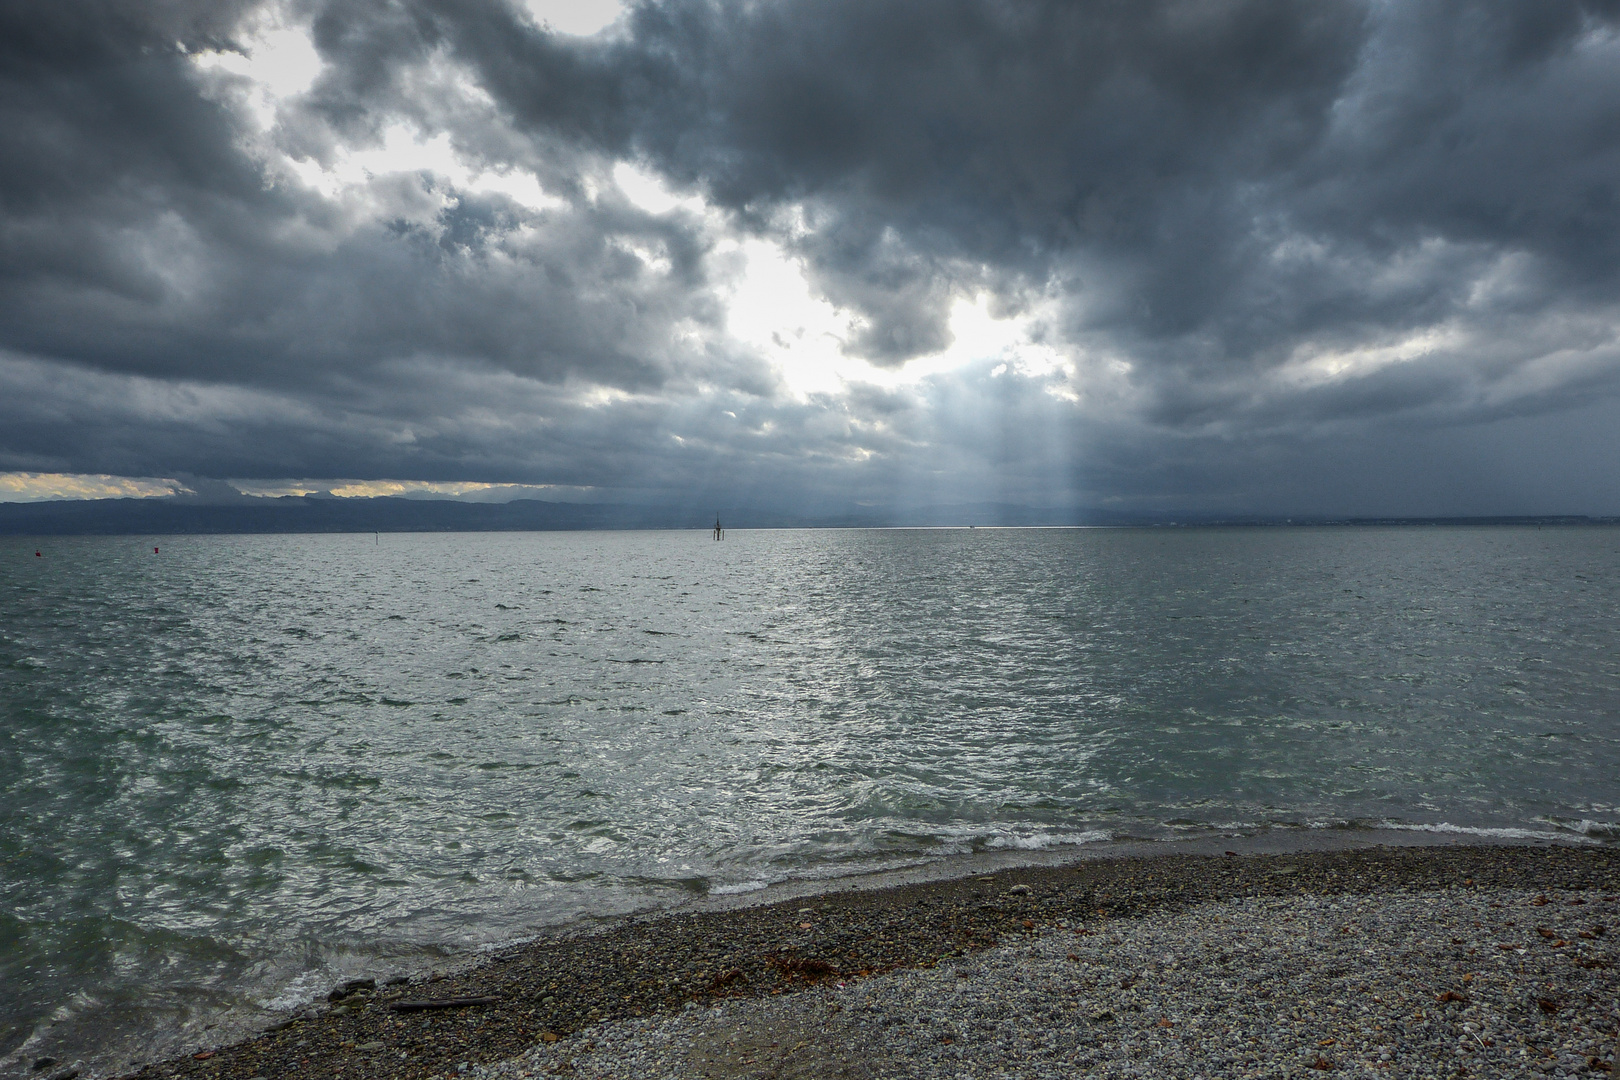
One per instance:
(1431, 961)
(1433, 984)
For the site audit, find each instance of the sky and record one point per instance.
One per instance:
(1230, 257)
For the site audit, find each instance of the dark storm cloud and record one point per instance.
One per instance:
(925, 136)
(139, 236)
(1270, 238)
(1230, 174)
(1215, 183)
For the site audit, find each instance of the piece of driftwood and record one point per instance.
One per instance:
(440, 1003)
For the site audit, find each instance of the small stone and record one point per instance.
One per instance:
(1019, 890)
(369, 1046)
(353, 986)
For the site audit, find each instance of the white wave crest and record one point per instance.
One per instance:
(1471, 830)
(1595, 830)
(1042, 840)
(301, 990)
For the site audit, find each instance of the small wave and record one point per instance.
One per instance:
(1041, 840)
(1592, 830)
(1507, 833)
(303, 989)
(967, 840)
(738, 887)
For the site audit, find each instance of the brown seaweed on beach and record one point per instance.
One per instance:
(807, 968)
(725, 979)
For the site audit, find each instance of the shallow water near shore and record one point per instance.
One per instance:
(244, 768)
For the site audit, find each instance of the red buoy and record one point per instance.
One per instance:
(37, 555)
(154, 551)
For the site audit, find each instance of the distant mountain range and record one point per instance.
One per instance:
(327, 514)
(324, 513)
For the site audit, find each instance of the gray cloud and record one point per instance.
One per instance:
(1279, 248)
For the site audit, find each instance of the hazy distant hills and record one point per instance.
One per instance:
(299, 514)
(326, 514)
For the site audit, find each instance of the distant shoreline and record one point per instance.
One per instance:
(789, 940)
(160, 517)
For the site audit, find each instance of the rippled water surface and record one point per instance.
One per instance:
(236, 769)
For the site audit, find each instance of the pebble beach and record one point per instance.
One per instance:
(1400, 962)
(1424, 985)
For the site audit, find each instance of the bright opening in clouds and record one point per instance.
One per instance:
(771, 309)
(583, 17)
(1342, 258)
(271, 61)
(44, 487)
(408, 489)
(650, 192)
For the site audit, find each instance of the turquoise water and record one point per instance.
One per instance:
(241, 768)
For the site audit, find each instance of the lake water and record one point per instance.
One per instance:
(242, 768)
